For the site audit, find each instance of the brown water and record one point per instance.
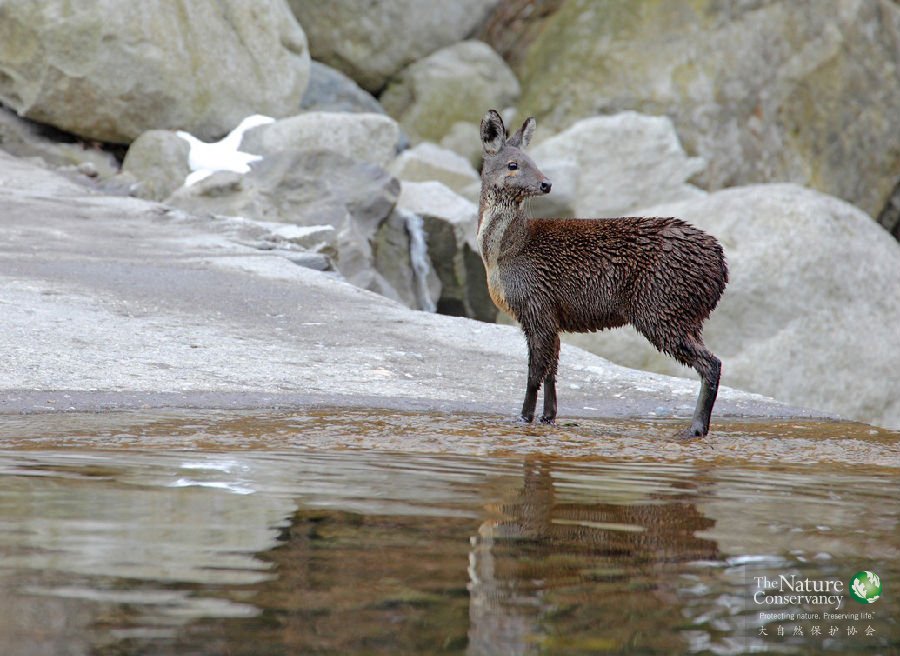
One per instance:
(346, 531)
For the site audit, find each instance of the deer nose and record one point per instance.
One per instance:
(545, 186)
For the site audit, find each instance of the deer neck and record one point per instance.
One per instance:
(501, 225)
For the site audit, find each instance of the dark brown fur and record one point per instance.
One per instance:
(661, 275)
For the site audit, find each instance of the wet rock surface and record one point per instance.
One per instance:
(400, 240)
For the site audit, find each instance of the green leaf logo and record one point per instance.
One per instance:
(865, 587)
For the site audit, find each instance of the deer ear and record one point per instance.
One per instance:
(493, 133)
(523, 135)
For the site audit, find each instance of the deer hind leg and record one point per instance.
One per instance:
(541, 356)
(692, 352)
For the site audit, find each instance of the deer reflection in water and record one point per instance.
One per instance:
(584, 567)
(557, 567)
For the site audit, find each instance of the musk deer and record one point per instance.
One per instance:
(661, 275)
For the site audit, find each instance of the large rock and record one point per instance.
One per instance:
(367, 137)
(309, 188)
(807, 316)
(371, 44)
(329, 90)
(455, 84)
(24, 138)
(429, 162)
(158, 159)
(783, 90)
(109, 71)
(612, 165)
(464, 139)
(450, 221)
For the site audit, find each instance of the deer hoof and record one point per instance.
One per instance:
(691, 433)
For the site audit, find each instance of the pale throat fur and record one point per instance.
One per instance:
(501, 232)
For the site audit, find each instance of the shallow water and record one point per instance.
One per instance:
(342, 531)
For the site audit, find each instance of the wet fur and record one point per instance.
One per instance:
(661, 275)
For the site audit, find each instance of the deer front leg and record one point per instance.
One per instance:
(540, 357)
(549, 415)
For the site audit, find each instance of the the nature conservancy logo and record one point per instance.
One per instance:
(792, 590)
(792, 606)
(865, 587)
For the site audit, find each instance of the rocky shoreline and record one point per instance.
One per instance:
(119, 303)
(367, 174)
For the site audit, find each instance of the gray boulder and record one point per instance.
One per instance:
(428, 161)
(463, 139)
(158, 159)
(805, 91)
(329, 90)
(806, 316)
(613, 165)
(371, 44)
(110, 70)
(450, 221)
(453, 85)
(367, 137)
(308, 188)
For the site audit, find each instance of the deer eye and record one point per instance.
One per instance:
(512, 166)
